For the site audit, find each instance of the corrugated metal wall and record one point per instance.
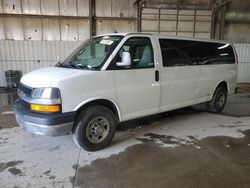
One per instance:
(3, 99)
(122, 16)
(66, 20)
(30, 55)
(243, 52)
(44, 20)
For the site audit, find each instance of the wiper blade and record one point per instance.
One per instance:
(59, 64)
(73, 65)
(78, 66)
(68, 65)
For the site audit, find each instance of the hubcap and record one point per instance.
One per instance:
(221, 100)
(98, 129)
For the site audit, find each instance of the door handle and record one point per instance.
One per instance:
(156, 75)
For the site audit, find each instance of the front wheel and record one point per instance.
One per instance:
(95, 128)
(219, 100)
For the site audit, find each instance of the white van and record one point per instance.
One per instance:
(122, 76)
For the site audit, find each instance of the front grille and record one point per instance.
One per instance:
(25, 90)
(24, 104)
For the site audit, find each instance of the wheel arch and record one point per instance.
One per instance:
(222, 83)
(111, 105)
(212, 104)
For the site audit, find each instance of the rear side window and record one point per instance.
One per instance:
(186, 52)
(174, 52)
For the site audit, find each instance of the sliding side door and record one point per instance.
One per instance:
(179, 76)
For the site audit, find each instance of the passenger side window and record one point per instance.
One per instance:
(141, 53)
(187, 52)
(174, 53)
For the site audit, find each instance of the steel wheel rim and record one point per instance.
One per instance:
(221, 100)
(98, 129)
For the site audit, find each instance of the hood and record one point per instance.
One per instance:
(44, 77)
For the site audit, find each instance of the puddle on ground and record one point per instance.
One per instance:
(48, 174)
(10, 164)
(245, 96)
(55, 148)
(15, 171)
(168, 141)
(220, 162)
(3, 140)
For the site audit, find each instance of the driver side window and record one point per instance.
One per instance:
(141, 53)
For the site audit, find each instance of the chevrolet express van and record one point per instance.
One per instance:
(118, 77)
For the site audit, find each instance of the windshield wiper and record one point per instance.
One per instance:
(59, 64)
(72, 65)
(78, 66)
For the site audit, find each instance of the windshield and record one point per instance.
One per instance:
(92, 54)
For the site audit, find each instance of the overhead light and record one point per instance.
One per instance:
(224, 46)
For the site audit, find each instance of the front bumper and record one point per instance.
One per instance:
(44, 124)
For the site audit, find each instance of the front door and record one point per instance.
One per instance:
(137, 87)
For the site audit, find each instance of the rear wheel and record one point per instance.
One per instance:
(219, 100)
(95, 128)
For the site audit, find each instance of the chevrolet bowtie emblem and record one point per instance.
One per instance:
(21, 94)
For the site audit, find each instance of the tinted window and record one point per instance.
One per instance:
(141, 52)
(224, 54)
(185, 52)
(174, 52)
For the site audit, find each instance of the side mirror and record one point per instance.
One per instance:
(126, 60)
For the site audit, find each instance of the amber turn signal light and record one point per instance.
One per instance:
(45, 108)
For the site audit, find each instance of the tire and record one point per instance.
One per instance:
(95, 128)
(219, 100)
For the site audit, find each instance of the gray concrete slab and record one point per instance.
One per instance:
(35, 161)
(7, 119)
(184, 148)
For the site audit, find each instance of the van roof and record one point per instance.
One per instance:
(167, 36)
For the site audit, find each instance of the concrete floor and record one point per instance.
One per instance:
(183, 148)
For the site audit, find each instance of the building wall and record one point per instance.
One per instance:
(237, 21)
(30, 55)
(243, 50)
(65, 20)
(231, 19)
(69, 20)
(44, 20)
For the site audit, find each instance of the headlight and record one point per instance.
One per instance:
(45, 100)
(46, 93)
